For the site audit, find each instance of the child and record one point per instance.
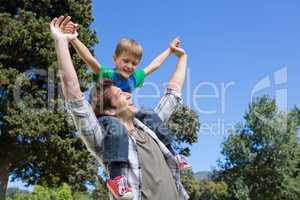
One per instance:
(127, 56)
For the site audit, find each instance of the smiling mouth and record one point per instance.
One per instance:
(128, 71)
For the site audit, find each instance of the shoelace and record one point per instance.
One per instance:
(122, 186)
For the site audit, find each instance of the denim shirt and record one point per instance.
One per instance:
(92, 135)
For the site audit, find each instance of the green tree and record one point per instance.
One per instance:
(211, 190)
(261, 156)
(16, 194)
(37, 142)
(205, 189)
(81, 196)
(192, 186)
(63, 192)
(100, 192)
(41, 193)
(185, 124)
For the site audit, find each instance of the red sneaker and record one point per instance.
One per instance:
(182, 163)
(119, 188)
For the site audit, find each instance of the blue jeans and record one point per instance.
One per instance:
(116, 139)
(153, 121)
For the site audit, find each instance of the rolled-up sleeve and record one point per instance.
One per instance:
(168, 103)
(87, 124)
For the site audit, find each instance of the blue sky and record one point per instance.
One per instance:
(229, 43)
(233, 43)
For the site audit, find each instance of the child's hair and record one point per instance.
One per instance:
(129, 46)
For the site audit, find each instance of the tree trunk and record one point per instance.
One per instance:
(4, 171)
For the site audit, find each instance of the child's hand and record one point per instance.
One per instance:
(176, 42)
(175, 47)
(69, 28)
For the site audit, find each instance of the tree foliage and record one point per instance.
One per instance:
(185, 124)
(205, 189)
(63, 192)
(262, 155)
(37, 141)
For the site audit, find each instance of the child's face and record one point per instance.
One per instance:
(125, 63)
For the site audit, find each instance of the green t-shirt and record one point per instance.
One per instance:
(134, 81)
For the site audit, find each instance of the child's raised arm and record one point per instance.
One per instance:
(160, 59)
(83, 52)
